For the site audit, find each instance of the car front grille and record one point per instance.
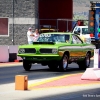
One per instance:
(30, 50)
(45, 50)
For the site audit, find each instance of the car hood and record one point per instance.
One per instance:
(44, 45)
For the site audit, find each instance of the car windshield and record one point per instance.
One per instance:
(85, 31)
(53, 38)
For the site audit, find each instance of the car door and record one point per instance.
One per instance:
(77, 47)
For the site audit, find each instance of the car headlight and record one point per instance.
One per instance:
(87, 40)
(21, 50)
(54, 51)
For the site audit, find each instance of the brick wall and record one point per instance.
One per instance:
(25, 16)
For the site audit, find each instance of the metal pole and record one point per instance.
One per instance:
(67, 25)
(57, 25)
(13, 24)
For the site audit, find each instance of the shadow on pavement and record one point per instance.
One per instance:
(91, 94)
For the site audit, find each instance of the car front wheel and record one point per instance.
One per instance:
(63, 65)
(26, 65)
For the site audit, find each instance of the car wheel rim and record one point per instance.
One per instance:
(87, 61)
(64, 62)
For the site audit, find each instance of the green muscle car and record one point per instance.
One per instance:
(57, 50)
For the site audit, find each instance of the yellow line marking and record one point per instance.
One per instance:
(9, 64)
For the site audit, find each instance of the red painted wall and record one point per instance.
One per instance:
(55, 9)
(3, 26)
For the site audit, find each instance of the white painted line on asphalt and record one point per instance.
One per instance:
(7, 92)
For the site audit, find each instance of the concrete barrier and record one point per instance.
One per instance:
(4, 53)
(13, 50)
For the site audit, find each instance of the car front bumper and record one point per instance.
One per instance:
(37, 58)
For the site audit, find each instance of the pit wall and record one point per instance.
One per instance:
(9, 53)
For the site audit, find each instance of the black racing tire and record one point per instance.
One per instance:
(85, 63)
(26, 65)
(63, 65)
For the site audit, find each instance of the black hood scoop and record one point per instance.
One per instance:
(43, 43)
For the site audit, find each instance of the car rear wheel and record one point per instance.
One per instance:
(63, 65)
(85, 63)
(26, 65)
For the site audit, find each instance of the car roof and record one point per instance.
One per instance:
(58, 33)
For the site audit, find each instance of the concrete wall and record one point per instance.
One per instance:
(22, 15)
